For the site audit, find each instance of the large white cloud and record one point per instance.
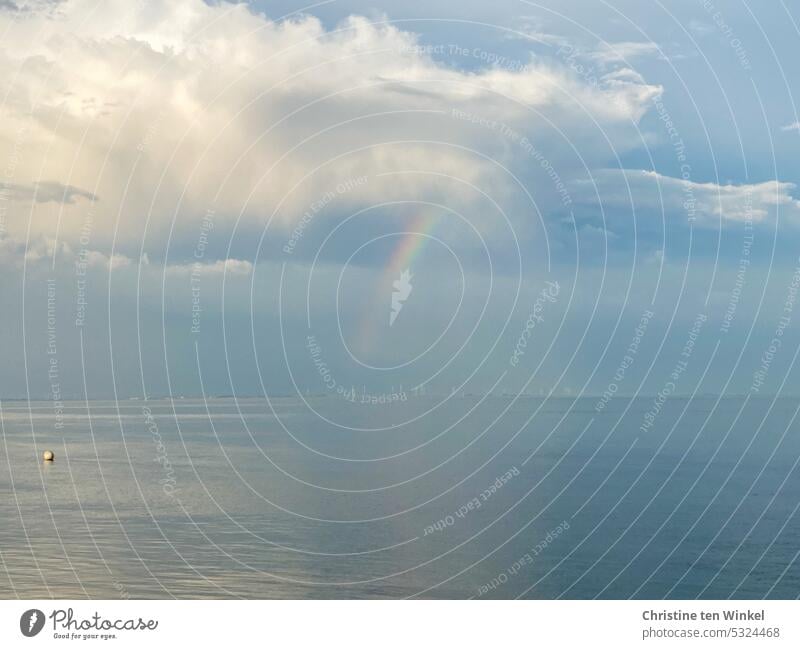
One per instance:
(149, 115)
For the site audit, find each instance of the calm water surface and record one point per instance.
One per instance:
(479, 497)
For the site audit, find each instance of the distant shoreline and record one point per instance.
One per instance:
(673, 397)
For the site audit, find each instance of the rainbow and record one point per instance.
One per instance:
(412, 242)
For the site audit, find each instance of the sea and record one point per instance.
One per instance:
(435, 497)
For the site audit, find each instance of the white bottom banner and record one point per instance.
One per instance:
(398, 624)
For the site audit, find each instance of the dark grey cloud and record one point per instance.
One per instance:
(46, 192)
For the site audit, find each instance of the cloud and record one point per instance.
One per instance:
(95, 259)
(40, 249)
(46, 250)
(45, 192)
(625, 52)
(707, 204)
(701, 28)
(794, 126)
(228, 267)
(172, 110)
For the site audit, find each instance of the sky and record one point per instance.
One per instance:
(564, 198)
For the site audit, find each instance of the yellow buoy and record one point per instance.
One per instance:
(48, 456)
